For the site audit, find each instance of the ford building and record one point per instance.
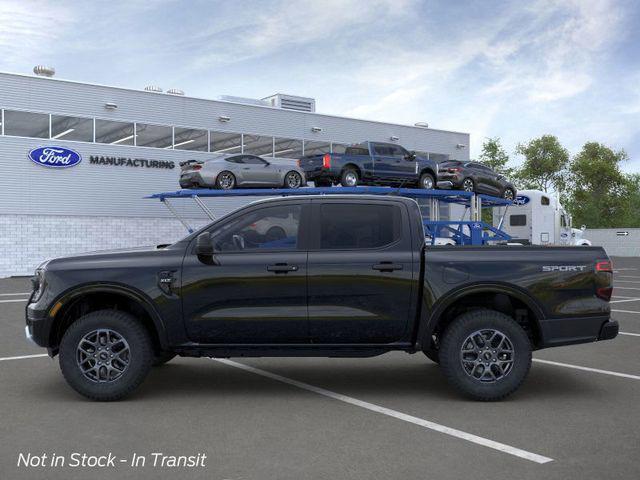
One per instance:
(77, 159)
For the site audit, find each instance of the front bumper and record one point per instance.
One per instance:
(38, 327)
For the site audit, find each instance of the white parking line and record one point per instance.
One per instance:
(485, 442)
(623, 269)
(626, 300)
(15, 300)
(627, 276)
(626, 288)
(2, 359)
(587, 369)
(626, 281)
(13, 294)
(630, 334)
(625, 311)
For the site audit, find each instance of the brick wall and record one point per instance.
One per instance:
(27, 240)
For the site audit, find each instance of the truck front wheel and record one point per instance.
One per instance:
(105, 355)
(485, 354)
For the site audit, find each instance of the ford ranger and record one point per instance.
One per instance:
(340, 276)
(371, 163)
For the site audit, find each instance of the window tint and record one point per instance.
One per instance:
(237, 159)
(348, 226)
(357, 151)
(544, 201)
(26, 124)
(71, 128)
(398, 151)
(517, 220)
(115, 133)
(382, 150)
(253, 160)
(338, 148)
(190, 139)
(157, 136)
(270, 228)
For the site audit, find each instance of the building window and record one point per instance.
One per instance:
(258, 145)
(26, 124)
(225, 142)
(157, 136)
(287, 148)
(71, 128)
(316, 148)
(190, 139)
(115, 133)
(338, 147)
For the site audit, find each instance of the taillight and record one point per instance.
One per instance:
(196, 167)
(604, 266)
(455, 170)
(604, 293)
(326, 161)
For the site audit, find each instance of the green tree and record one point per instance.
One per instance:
(494, 156)
(545, 164)
(600, 194)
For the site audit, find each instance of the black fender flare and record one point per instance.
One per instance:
(75, 293)
(430, 319)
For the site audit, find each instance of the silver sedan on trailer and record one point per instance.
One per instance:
(241, 170)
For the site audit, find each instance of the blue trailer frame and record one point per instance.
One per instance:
(479, 232)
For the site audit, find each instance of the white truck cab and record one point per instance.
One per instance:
(538, 218)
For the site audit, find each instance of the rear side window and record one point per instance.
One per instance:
(357, 151)
(350, 226)
(518, 220)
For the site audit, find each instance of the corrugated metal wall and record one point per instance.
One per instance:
(621, 242)
(88, 189)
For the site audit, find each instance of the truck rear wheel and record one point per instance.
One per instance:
(105, 355)
(349, 178)
(485, 354)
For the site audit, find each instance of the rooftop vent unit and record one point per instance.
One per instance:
(153, 88)
(175, 91)
(291, 102)
(43, 71)
(244, 100)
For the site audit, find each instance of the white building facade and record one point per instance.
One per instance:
(129, 144)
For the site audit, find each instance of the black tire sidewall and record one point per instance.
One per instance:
(344, 174)
(421, 181)
(139, 344)
(456, 334)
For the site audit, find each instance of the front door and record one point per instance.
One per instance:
(360, 272)
(254, 289)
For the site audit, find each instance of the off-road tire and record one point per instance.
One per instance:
(452, 343)
(140, 354)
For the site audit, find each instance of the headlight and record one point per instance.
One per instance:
(39, 284)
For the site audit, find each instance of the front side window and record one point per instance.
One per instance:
(383, 150)
(350, 226)
(253, 160)
(544, 201)
(269, 228)
(26, 124)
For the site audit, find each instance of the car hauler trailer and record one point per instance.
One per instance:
(437, 232)
(538, 218)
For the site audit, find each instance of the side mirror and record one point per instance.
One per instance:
(204, 246)
(411, 156)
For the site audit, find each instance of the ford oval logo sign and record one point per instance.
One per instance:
(521, 200)
(55, 157)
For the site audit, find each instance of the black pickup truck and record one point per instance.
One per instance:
(339, 276)
(371, 163)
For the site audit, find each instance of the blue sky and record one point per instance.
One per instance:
(514, 69)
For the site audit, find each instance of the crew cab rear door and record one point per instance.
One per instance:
(360, 271)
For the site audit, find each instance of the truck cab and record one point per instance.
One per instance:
(538, 218)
